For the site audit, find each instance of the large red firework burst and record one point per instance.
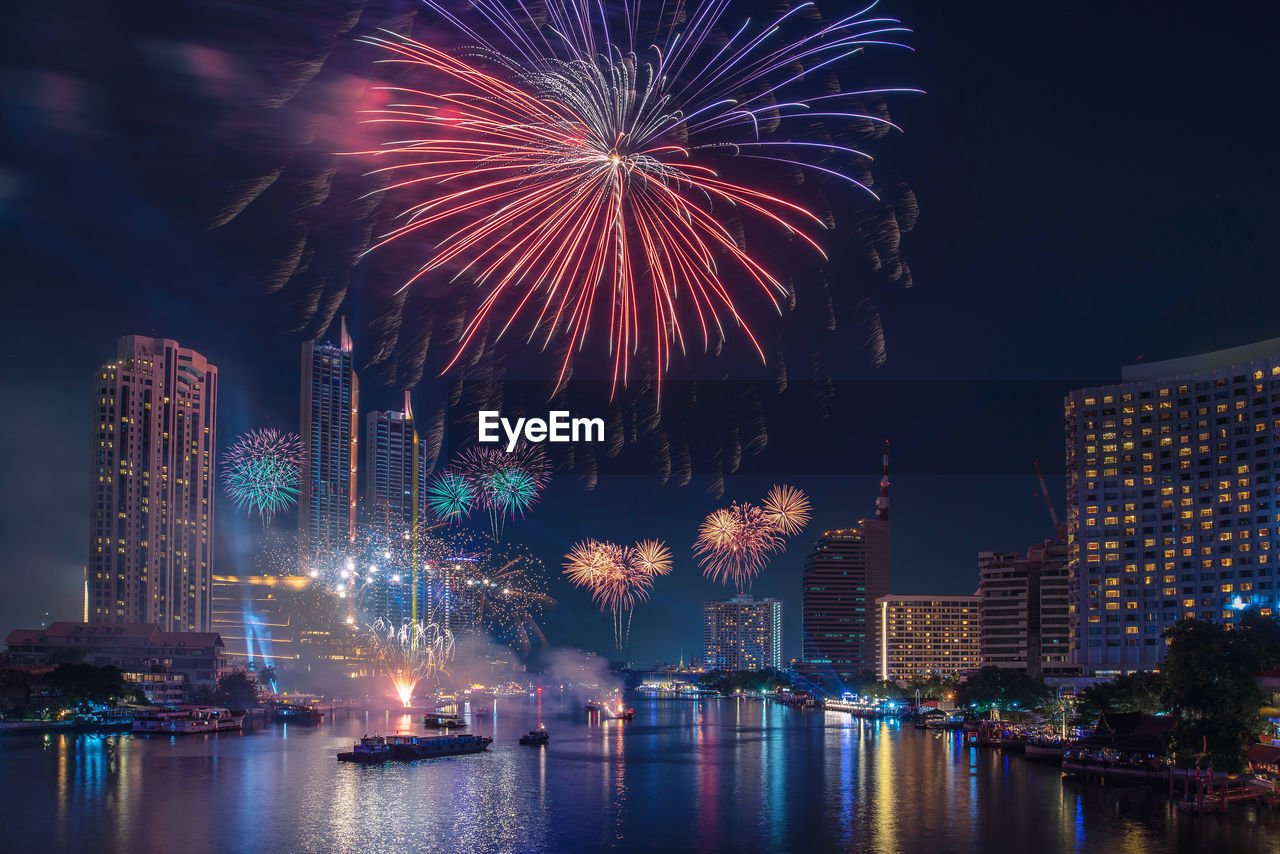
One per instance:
(571, 165)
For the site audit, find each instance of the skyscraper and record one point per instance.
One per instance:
(926, 635)
(1025, 604)
(1170, 493)
(845, 573)
(742, 634)
(389, 465)
(151, 552)
(330, 402)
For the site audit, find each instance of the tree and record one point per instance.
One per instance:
(81, 685)
(266, 674)
(1135, 692)
(1002, 688)
(237, 691)
(1210, 675)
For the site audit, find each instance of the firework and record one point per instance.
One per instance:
(503, 484)
(262, 472)
(450, 497)
(735, 542)
(619, 577)
(573, 164)
(497, 589)
(788, 509)
(410, 653)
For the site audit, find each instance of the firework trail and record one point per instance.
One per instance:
(262, 472)
(572, 159)
(503, 484)
(410, 653)
(735, 543)
(619, 577)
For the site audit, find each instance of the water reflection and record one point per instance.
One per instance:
(732, 774)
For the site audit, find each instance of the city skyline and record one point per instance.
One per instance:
(976, 267)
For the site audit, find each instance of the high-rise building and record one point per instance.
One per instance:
(1171, 484)
(920, 636)
(151, 549)
(389, 465)
(1025, 608)
(744, 633)
(330, 401)
(845, 573)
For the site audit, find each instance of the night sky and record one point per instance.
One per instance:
(1095, 186)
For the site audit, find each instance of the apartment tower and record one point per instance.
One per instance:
(152, 493)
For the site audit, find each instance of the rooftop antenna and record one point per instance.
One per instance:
(882, 503)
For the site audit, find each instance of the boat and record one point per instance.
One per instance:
(618, 713)
(536, 737)
(186, 720)
(442, 720)
(292, 713)
(407, 748)
(484, 712)
(370, 750)
(594, 706)
(1040, 747)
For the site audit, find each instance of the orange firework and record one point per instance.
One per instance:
(788, 508)
(734, 543)
(652, 556)
(618, 577)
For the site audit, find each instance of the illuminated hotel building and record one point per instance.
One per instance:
(249, 614)
(389, 465)
(744, 633)
(1025, 608)
(1171, 497)
(920, 636)
(152, 493)
(845, 573)
(330, 400)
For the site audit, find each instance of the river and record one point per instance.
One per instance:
(737, 775)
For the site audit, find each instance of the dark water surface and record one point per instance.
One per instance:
(709, 775)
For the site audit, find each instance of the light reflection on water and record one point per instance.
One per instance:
(727, 774)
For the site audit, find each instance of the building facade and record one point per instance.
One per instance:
(1170, 493)
(921, 636)
(1025, 608)
(845, 573)
(153, 486)
(744, 633)
(389, 466)
(330, 403)
(251, 616)
(166, 665)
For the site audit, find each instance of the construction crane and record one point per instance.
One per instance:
(1044, 490)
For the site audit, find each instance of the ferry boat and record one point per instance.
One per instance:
(293, 713)
(370, 750)
(1045, 747)
(186, 720)
(409, 747)
(441, 720)
(536, 737)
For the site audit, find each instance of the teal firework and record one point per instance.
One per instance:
(262, 472)
(450, 496)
